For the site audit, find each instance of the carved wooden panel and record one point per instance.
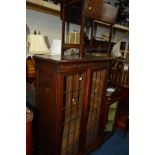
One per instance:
(45, 104)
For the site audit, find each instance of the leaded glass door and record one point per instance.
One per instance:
(72, 110)
(96, 100)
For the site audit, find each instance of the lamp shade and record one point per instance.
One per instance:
(37, 44)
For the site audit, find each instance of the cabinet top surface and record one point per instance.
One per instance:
(70, 59)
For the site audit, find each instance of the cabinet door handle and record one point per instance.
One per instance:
(80, 78)
(74, 101)
(90, 8)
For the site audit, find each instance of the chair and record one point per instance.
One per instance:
(89, 14)
(30, 70)
(119, 79)
(119, 74)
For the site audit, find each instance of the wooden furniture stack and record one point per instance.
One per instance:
(70, 90)
(88, 14)
(119, 80)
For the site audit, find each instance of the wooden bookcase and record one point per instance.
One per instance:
(70, 96)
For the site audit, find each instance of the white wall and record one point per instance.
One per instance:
(48, 25)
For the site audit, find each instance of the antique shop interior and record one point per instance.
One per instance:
(77, 77)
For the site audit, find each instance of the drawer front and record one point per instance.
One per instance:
(99, 10)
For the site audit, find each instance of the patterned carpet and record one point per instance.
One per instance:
(118, 144)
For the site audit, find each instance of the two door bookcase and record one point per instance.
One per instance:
(70, 97)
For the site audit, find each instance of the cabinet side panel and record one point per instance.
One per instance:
(45, 105)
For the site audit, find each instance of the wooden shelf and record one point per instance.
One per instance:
(97, 46)
(46, 7)
(73, 2)
(53, 9)
(66, 46)
(71, 46)
(121, 27)
(117, 26)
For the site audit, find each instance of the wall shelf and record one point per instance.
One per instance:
(46, 7)
(121, 27)
(116, 26)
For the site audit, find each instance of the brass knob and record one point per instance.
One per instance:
(96, 90)
(90, 8)
(80, 78)
(73, 101)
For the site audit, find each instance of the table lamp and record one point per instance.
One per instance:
(37, 45)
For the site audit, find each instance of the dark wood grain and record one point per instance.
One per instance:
(101, 11)
(29, 118)
(51, 100)
(29, 138)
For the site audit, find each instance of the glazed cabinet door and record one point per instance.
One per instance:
(97, 93)
(73, 92)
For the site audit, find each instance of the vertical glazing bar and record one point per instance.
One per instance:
(77, 103)
(63, 28)
(103, 106)
(92, 32)
(70, 85)
(97, 103)
(92, 106)
(82, 50)
(63, 111)
(110, 38)
(84, 112)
